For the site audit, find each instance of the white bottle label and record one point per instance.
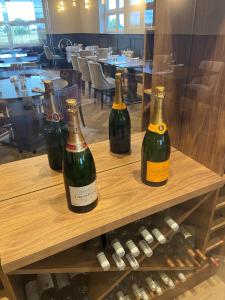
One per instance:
(62, 280)
(32, 290)
(45, 282)
(82, 196)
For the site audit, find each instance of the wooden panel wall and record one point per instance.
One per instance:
(194, 31)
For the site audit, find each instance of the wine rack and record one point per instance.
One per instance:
(40, 235)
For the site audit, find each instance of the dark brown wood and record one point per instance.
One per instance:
(195, 98)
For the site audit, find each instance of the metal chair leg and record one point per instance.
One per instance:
(102, 99)
(81, 116)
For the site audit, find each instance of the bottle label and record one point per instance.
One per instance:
(158, 128)
(119, 106)
(32, 290)
(55, 117)
(82, 196)
(157, 171)
(45, 282)
(76, 147)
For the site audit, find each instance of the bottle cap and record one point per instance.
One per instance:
(103, 261)
(119, 262)
(120, 295)
(145, 248)
(146, 234)
(159, 236)
(71, 104)
(151, 283)
(132, 248)
(182, 277)
(144, 294)
(171, 223)
(132, 261)
(118, 247)
(159, 92)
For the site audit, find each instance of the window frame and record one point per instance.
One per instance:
(117, 11)
(10, 24)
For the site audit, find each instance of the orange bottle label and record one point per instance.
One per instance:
(119, 105)
(157, 171)
(157, 128)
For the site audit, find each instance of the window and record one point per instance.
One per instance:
(114, 16)
(22, 23)
(135, 18)
(135, 2)
(149, 17)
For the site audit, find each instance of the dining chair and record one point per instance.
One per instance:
(84, 69)
(73, 78)
(84, 53)
(100, 83)
(92, 47)
(102, 52)
(52, 57)
(74, 60)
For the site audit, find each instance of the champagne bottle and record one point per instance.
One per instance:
(46, 287)
(54, 130)
(119, 122)
(103, 261)
(31, 287)
(78, 167)
(64, 286)
(79, 285)
(156, 146)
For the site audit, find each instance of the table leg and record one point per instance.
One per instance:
(132, 96)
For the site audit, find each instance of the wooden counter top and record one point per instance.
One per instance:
(34, 174)
(37, 224)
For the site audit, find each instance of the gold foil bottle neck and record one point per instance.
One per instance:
(71, 105)
(118, 95)
(160, 92)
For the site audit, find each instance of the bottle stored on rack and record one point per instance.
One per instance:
(64, 286)
(156, 146)
(119, 122)
(54, 129)
(78, 166)
(31, 287)
(171, 223)
(79, 285)
(46, 287)
(103, 261)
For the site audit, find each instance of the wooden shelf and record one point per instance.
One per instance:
(33, 174)
(220, 203)
(37, 225)
(214, 243)
(99, 291)
(218, 224)
(85, 254)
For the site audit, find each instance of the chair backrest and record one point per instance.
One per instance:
(48, 53)
(74, 60)
(73, 90)
(97, 76)
(84, 53)
(93, 47)
(84, 69)
(102, 52)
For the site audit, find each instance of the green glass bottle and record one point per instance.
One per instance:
(54, 130)
(78, 166)
(156, 146)
(119, 122)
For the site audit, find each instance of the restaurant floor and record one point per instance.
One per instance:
(96, 128)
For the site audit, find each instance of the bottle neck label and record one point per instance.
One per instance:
(119, 106)
(157, 171)
(54, 117)
(76, 147)
(85, 195)
(160, 128)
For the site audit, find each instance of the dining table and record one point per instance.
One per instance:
(133, 67)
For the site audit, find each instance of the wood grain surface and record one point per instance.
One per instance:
(33, 174)
(37, 225)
